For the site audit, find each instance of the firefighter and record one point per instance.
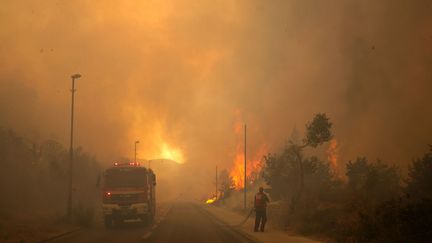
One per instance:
(260, 206)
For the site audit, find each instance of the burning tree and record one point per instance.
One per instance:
(254, 160)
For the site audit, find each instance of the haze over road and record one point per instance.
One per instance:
(110, 108)
(185, 222)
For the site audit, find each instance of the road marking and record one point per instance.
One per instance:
(224, 225)
(60, 236)
(157, 223)
(147, 235)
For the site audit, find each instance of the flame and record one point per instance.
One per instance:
(254, 163)
(211, 200)
(253, 167)
(237, 172)
(157, 144)
(333, 155)
(171, 153)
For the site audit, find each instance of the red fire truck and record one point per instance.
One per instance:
(128, 193)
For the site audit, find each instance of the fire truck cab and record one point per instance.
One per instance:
(128, 193)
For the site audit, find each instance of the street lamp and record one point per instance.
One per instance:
(245, 179)
(135, 150)
(69, 202)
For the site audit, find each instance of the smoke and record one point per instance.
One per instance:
(389, 78)
(174, 74)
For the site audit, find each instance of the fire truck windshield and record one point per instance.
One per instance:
(125, 177)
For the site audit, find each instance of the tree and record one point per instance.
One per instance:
(374, 182)
(281, 173)
(383, 215)
(419, 184)
(226, 184)
(318, 131)
(32, 174)
(290, 164)
(55, 156)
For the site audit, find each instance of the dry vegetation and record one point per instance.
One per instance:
(33, 183)
(374, 203)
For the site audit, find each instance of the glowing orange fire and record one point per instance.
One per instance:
(254, 161)
(210, 200)
(333, 155)
(253, 166)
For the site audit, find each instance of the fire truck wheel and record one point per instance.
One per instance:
(108, 222)
(144, 221)
(147, 220)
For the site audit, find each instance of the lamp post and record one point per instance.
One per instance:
(245, 176)
(136, 142)
(216, 183)
(69, 202)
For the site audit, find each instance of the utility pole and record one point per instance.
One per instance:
(135, 150)
(69, 202)
(216, 183)
(245, 166)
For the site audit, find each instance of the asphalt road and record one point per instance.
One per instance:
(184, 222)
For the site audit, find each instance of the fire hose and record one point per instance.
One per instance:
(244, 220)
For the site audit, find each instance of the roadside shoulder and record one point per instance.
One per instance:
(238, 231)
(271, 235)
(35, 231)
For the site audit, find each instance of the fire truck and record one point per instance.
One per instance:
(128, 193)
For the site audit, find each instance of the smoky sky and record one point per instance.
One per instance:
(182, 74)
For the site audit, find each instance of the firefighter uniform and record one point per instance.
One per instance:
(260, 205)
